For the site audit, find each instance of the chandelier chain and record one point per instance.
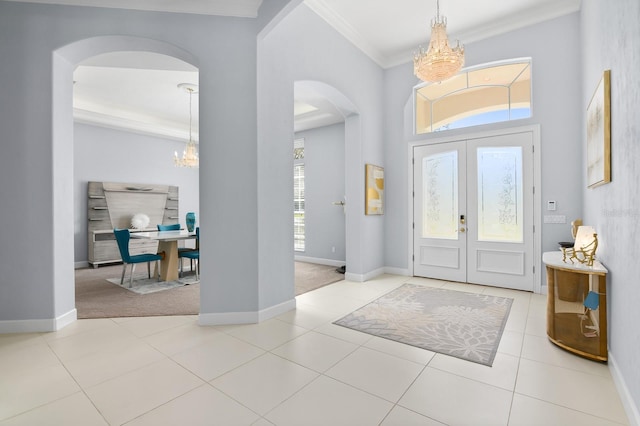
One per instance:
(190, 114)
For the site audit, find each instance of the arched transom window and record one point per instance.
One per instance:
(480, 95)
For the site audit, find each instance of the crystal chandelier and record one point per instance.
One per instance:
(440, 61)
(190, 153)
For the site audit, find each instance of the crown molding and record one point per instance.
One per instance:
(156, 129)
(525, 18)
(235, 8)
(346, 30)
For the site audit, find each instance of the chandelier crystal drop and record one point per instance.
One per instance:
(440, 61)
(190, 154)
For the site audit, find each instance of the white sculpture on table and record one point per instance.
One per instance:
(140, 221)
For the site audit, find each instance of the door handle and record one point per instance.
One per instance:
(341, 203)
(463, 229)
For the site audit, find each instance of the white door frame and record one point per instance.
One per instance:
(537, 188)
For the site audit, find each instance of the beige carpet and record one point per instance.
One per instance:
(310, 276)
(98, 298)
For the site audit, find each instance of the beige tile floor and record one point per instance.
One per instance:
(297, 369)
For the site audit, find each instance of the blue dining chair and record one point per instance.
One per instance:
(192, 255)
(122, 237)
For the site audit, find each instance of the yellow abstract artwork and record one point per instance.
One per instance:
(374, 190)
(599, 134)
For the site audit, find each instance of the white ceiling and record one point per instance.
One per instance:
(140, 91)
(137, 91)
(389, 31)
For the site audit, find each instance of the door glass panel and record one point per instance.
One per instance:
(500, 194)
(440, 197)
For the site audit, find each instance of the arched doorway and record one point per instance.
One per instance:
(321, 107)
(130, 118)
(65, 61)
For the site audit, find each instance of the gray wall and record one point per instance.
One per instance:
(39, 46)
(109, 155)
(303, 47)
(556, 108)
(324, 184)
(247, 114)
(611, 40)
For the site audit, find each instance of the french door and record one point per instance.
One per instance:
(473, 211)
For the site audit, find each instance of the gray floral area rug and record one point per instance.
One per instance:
(464, 325)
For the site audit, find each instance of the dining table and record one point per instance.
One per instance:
(167, 244)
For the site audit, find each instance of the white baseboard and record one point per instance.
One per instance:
(226, 318)
(66, 319)
(26, 326)
(360, 278)
(633, 413)
(276, 310)
(357, 278)
(396, 271)
(372, 274)
(38, 325)
(81, 265)
(319, 261)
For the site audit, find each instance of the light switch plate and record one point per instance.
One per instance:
(551, 205)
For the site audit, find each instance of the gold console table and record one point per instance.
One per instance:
(577, 306)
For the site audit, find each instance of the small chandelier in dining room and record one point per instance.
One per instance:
(190, 153)
(440, 61)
